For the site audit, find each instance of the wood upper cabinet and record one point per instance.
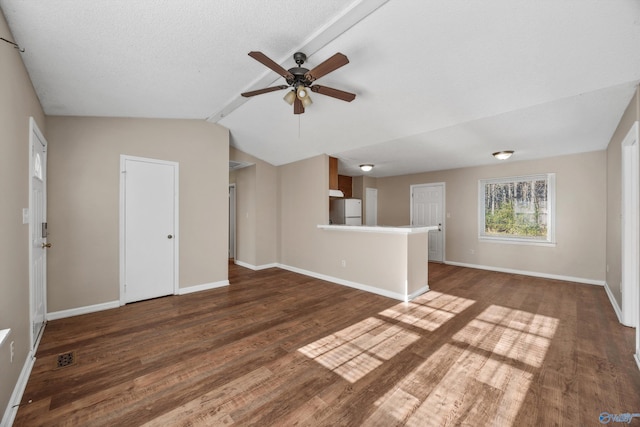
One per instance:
(333, 173)
(345, 184)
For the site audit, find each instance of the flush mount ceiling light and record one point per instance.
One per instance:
(503, 155)
(366, 167)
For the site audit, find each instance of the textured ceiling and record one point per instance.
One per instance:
(439, 84)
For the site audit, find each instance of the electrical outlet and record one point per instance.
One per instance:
(472, 251)
(344, 263)
(12, 349)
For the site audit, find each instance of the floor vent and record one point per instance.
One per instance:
(66, 359)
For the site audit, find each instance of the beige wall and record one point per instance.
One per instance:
(580, 215)
(417, 253)
(84, 180)
(373, 259)
(18, 102)
(376, 260)
(257, 210)
(357, 188)
(304, 203)
(614, 197)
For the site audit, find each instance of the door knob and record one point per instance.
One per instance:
(46, 245)
(170, 236)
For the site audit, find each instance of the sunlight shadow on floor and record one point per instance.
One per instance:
(516, 334)
(429, 311)
(357, 350)
(483, 375)
(483, 372)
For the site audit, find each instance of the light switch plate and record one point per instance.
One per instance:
(25, 215)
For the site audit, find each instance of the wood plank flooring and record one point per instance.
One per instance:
(277, 348)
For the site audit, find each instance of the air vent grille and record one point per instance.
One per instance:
(233, 165)
(66, 359)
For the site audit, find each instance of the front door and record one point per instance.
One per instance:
(149, 225)
(38, 231)
(426, 209)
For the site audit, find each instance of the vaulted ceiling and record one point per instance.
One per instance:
(438, 84)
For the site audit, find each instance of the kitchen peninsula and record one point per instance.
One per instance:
(390, 261)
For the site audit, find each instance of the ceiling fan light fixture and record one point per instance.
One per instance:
(306, 101)
(302, 92)
(290, 97)
(503, 155)
(366, 167)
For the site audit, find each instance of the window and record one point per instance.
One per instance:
(37, 166)
(517, 209)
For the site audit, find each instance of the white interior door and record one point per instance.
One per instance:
(38, 232)
(232, 221)
(630, 228)
(149, 223)
(371, 206)
(427, 205)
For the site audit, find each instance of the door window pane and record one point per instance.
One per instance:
(37, 166)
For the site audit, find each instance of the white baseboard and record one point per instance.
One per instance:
(115, 304)
(613, 302)
(203, 287)
(343, 282)
(529, 273)
(255, 267)
(82, 310)
(419, 292)
(18, 391)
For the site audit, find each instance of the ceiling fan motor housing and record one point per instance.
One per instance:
(300, 58)
(298, 76)
(299, 71)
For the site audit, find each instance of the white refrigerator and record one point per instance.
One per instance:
(345, 211)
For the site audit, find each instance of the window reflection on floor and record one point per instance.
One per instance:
(355, 351)
(485, 368)
(429, 311)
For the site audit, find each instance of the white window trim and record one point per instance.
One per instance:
(551, 206)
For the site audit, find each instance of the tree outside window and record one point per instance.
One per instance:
(517, 209)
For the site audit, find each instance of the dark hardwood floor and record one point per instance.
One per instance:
(278, 348)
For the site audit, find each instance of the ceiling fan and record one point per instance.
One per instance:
(301, 80)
